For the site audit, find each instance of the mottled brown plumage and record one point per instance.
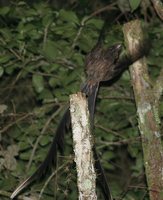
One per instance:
(100, 66)
(101, 63)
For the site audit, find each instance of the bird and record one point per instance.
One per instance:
(99, 67)
(102, 64)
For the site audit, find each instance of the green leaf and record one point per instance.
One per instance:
(45, 94)
(4, 10)
(10, 69)
(23, 145)
(6, 33)
(7, 183)
(38, 83)
(25, 155)
(68, 16)
(1, 71)
(4, 58)
(45, 140)
(134, 4)
(53, 82)
(47, 20)
(95, 22)
(50, 50)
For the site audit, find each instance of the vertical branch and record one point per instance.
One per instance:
(82, 140)
(148, 116)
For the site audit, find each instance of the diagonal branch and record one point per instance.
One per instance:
(158, 5)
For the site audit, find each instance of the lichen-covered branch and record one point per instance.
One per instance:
(148, 116)
(158, 5)
(82, 140)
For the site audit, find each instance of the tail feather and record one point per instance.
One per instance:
(91, 91)
(51, 156)
(102, 180)
(58, 142)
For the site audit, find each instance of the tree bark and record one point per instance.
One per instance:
(158, 5)
(82, 140)
(147, 110)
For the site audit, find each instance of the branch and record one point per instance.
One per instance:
(40, 136)
(15, 122)
(158, 6)
(82, 140)
(147, 113)
(85, 19)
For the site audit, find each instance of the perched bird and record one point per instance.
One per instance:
(101, 65)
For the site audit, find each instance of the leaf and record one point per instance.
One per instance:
(50, 50)
(45, 94)
(68, 16)
(95, 22)
(108, 155)
(53, 82)
(134, 4)
(38, 83)
(25, 155)
(9, 161)
(47, 20)
(45, 140)
(78, 58)
(7, 183)
(3, 108)
(60, 94)
(1, 71)
(4, 10)
(6, 33)
(67, 30)
(23, 145)
(10, 69)
(13, 150)
(5, 58)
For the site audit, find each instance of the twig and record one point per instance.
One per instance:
(12, 84)
(50, 178)
(15, 114)
(79, 32)
(85, 19)
(117, 98)
(45, 34)
(16, 121)
(39, 73)
(144, 187)
(108, 7)
(121, 142)
(15, 54)
(109, 131)
(4, 193)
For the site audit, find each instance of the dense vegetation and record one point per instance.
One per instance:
(42, 51)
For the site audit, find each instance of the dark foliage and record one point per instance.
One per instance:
(42, 56)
